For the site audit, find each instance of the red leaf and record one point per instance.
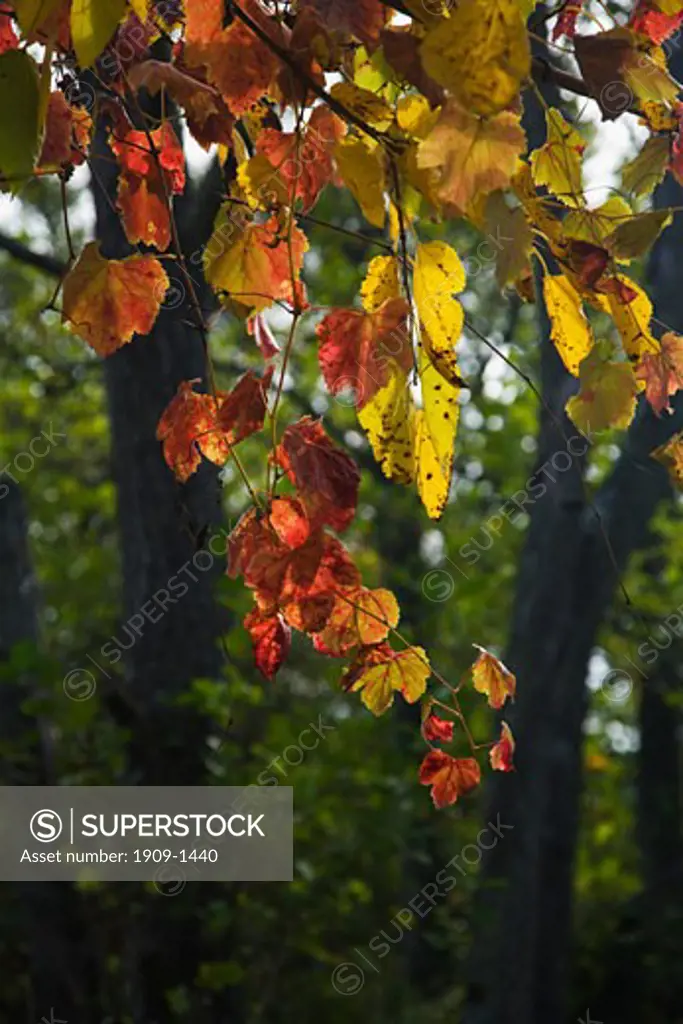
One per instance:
(449, 777)
(439, 729)
(566, 22)
(203, 20)
(263, 336)
(325, 477)
(653, 23)
(148, 177)
(290, 522)
(272, 639)
(359, 618)
(8, 37)
(357, 348)
(501, 752)
(243, 410)
(363, 19)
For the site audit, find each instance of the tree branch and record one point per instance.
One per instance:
(41, 261)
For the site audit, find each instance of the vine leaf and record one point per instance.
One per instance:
(449, 777)
(380, 672)
(106, 302)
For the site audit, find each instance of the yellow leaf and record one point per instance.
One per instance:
(93, 23)
(569, 329)
(607, 395)
(438, 275)
(642, 174)
(474, 156)
(596, 225)
(140, 7)
(557, 163)
(20, 128)
(434, 430)
(361, 165)
(371, 108)
(387, 420)
(32, 13)
(492, 678)
(415, 116)
(645, 72)
(381, 283)
(632, 320)
(261, 184)
(480, 54)
(381, 672)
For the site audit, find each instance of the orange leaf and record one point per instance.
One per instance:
(240, 64)
(449, 777)
(359, 617)
(208, 118)
(106, 302)
(501, 752)
(203, 20)
(492, 678)
(188, 426)
(474, 155)
(272, 639)
(356, 348)
(325, 477)
(251, 264)
(149, 176)
(307, 160)
(663, 372)
(242, 411)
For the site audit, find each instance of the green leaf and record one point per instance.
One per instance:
(93, 23)
(19, 119)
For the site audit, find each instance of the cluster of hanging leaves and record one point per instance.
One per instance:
(418, 115)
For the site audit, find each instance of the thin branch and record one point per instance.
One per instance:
(41, 261)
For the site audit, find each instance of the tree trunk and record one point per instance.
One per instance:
(567, 579)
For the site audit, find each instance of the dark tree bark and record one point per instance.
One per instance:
(567, 579)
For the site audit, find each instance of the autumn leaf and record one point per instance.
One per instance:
(152, 169)
(437, 729)
(251, 262)
(473, 156)
(208, 118)
(360, 617)
(642, 174)
(361, 164)
(356, 348)
(662, 372)
(93, 23)
(492, 678)
(240, 64)
(569, 329)
(20, 120)
(303, 164)
(607, 395)
(363, 19)
(434, 427)
(203, 20)
(501, 752)
(325, 477)
(188, 427)
(106, 302)
(671, 456)
(438, 275)
(8, 37)
(449, 777)
(379, 672)
(480, 54)
(509, 228)
(272, 639)
(388, 421)
(647, 19)
(381, 283)
(557, 163)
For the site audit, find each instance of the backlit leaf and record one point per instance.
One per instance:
(492, 678)
(380, 672)
(569, 328)
(106, 302)
(607, 396)
(93, 23)
(449, 777)
(501, 753)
